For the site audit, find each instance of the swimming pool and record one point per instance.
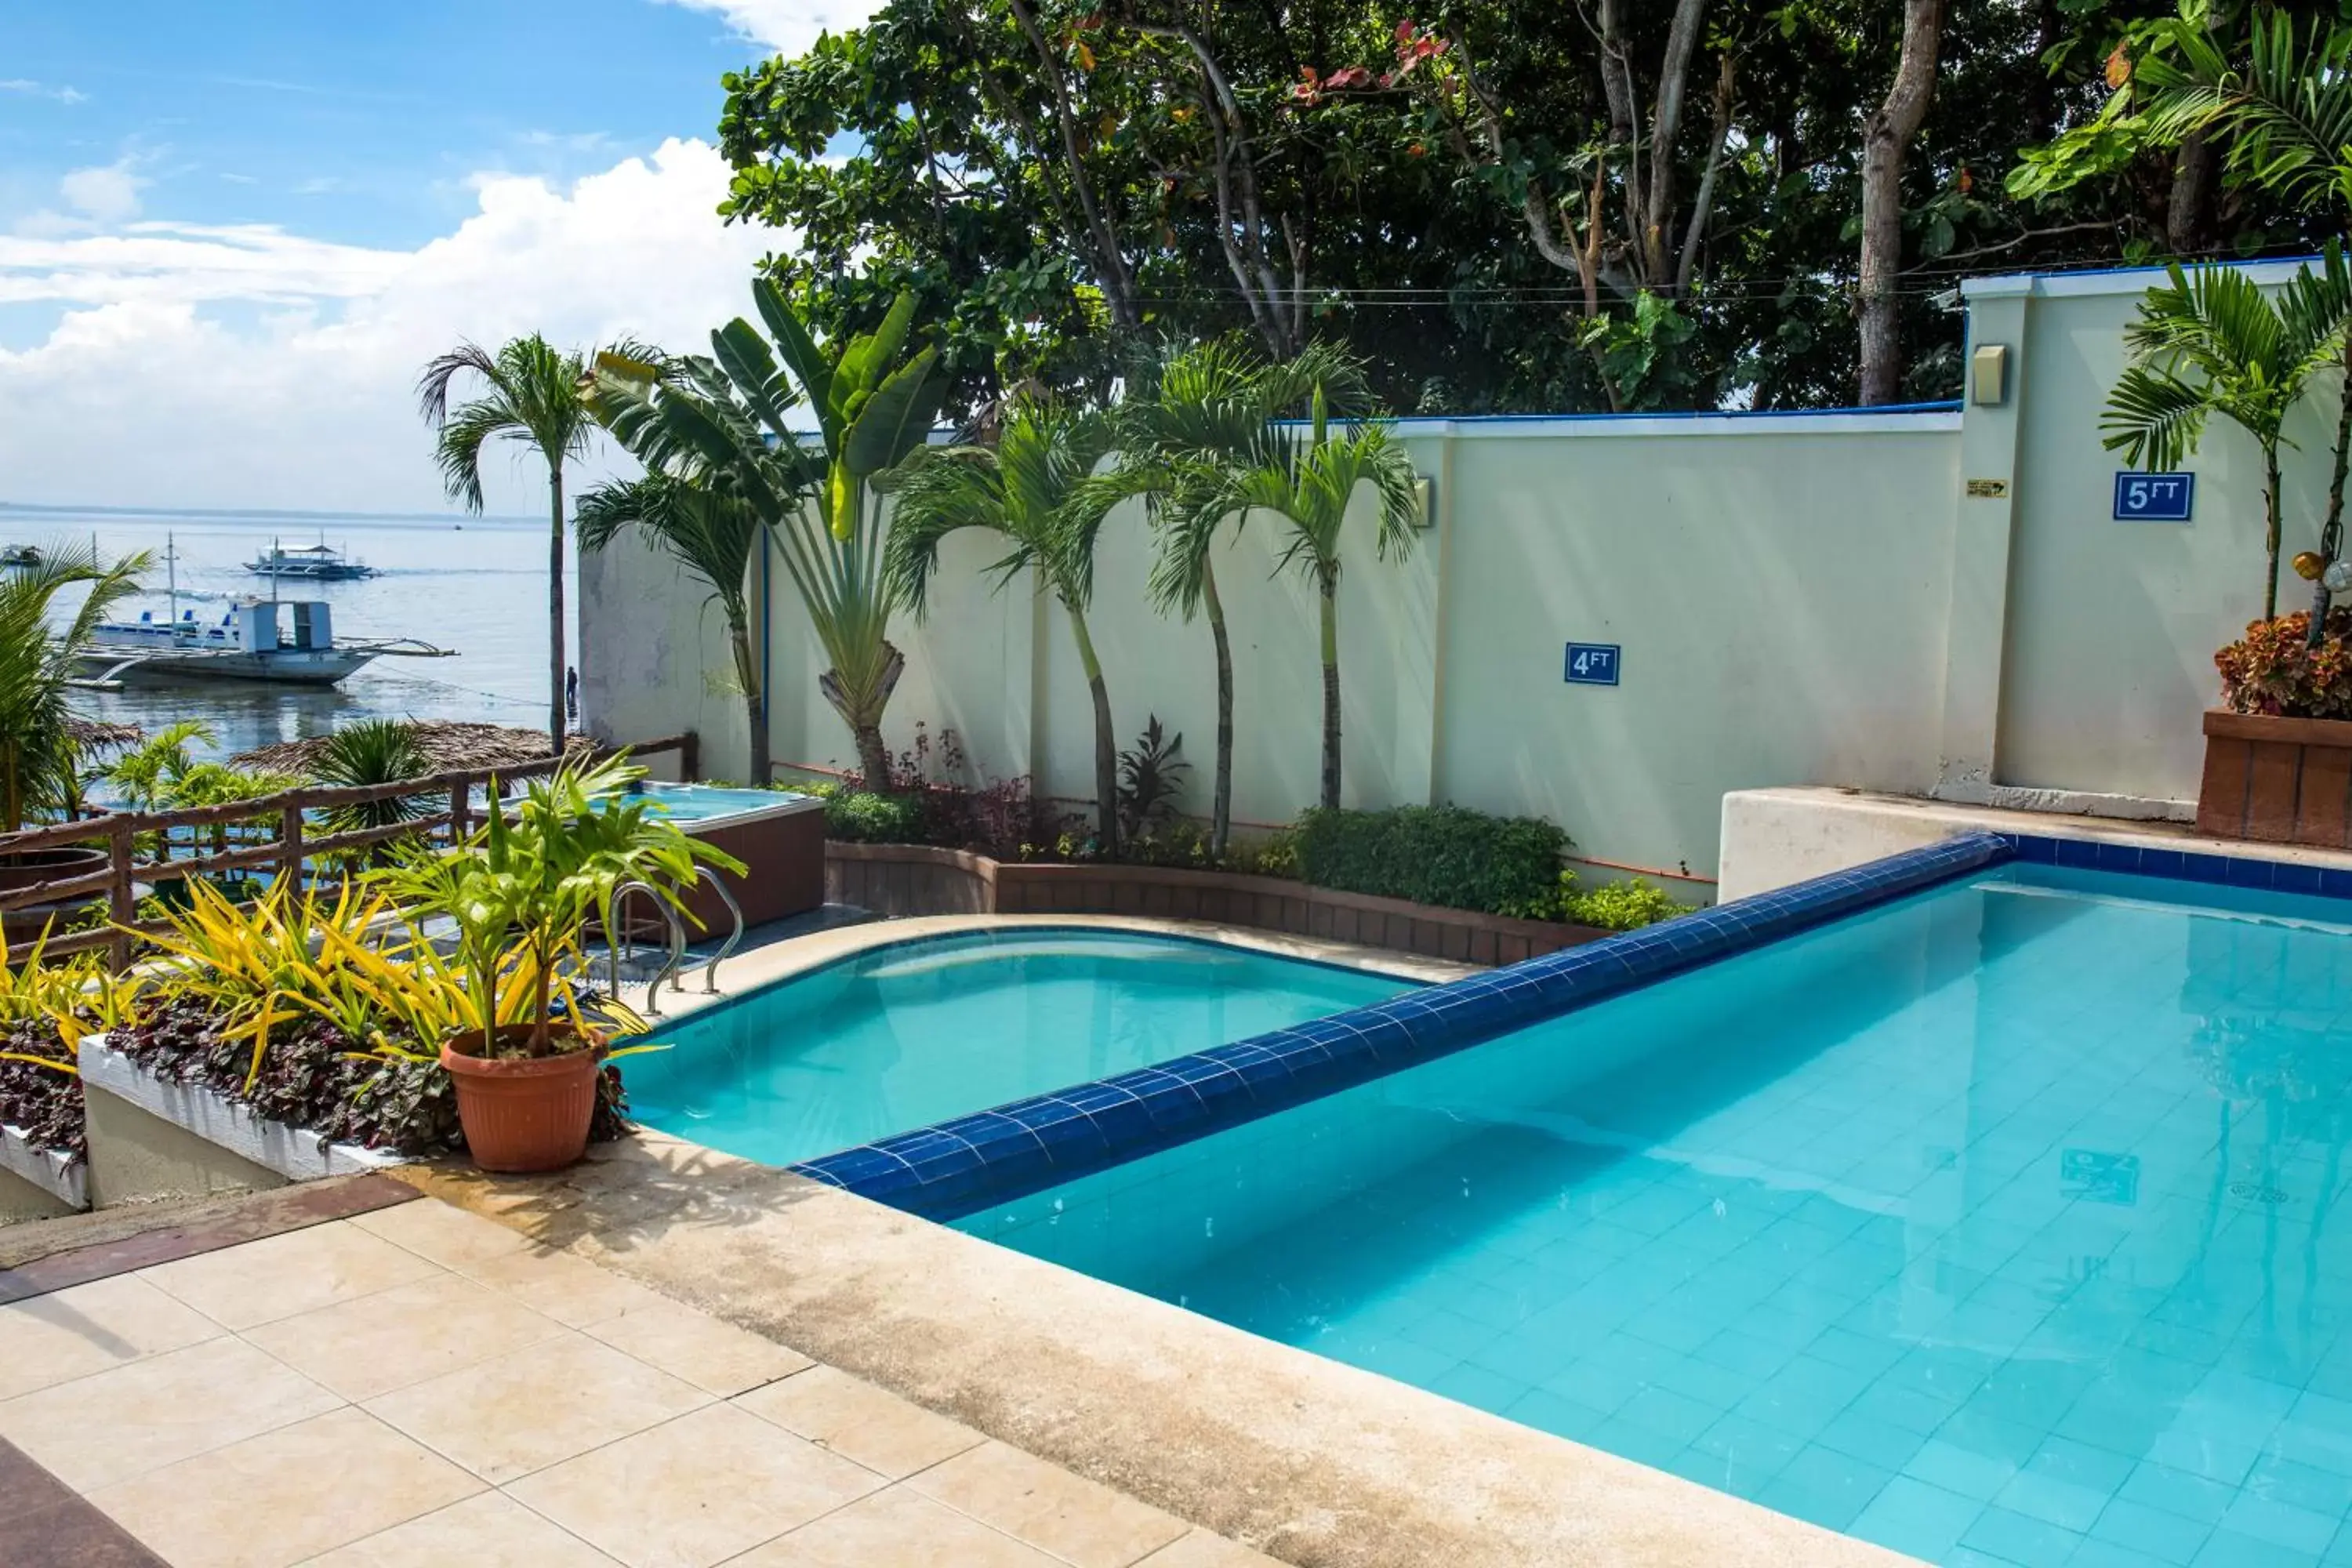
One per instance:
(916, 1032)
(1996, 1224)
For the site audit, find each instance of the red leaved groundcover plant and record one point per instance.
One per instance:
(2273, 670)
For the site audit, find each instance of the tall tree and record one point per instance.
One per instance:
(1306, 483)
(715, 534)
(1035, 489)
(727, 419)
(1198, 417)
(533, 396)
(2214, 343)
(1887, 141)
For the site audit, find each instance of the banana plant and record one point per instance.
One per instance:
(725, 422)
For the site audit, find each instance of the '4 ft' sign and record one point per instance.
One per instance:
(2154, 497)
(1593, 664)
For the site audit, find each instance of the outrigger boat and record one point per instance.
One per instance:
(319, 562)
(21, 555)
(248, 643)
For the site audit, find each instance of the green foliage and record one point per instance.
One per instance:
(725, 423)
(1443, 855)
(372, 751)
(40, 754)
(1150, 779)
(1618, 906)
(862, 816)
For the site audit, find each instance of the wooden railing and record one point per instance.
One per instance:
(288, 842)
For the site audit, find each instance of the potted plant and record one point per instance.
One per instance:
(519, 892)
(2278, 753)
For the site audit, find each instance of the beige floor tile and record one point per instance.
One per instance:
(262, 1281)
(705, 1488)
(533, 1407)
(570, 1290)
(1070, 1516)
(859, 1421)
(385, 1341)
(51, 1339)
(718, 1357)
(1202, 1550)
(284, 1496)
(443, 1233)
(488, 1530)
(900, 1528)
(113, 1426)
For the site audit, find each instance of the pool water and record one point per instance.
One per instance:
(2000, 1226)
(703, 803)
(918, 1032)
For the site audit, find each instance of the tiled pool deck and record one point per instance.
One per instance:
(416, 1387)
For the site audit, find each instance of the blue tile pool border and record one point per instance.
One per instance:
(954, 1168)
(2248, 870)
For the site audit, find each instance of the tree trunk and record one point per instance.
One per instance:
(2189, 210)
(872, 756)
(2270, 531)
(1885, 139)
(555, 605)
(2331, 532)
(1221, 805)
(755, 698)
(1106, 737)
(1330, 595)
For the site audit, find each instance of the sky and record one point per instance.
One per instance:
(232, 233)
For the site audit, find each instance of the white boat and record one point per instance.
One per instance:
(319, 563)
(252, 642)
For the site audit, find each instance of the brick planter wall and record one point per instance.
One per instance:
(901, 879)
(2278, 781)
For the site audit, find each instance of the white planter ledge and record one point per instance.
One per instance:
(65, 1177)
(296, 1153)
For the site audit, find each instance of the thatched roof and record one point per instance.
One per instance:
(447, 745)
(91, 732)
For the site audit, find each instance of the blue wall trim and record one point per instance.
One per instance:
(949, 1170)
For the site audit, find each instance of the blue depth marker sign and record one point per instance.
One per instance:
(2154, 497)
(1593, 664)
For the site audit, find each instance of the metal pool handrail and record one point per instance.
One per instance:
(616, 936)
(734, 938)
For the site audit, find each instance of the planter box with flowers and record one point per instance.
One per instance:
(2278, 753)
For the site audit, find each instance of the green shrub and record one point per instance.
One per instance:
(861, 817)
(1443, 855)
(1620, 906)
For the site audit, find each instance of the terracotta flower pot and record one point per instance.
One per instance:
(524, 1113)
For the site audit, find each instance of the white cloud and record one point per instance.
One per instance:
(107, 194)
(788, 26)
(242, 365)
(43, 89)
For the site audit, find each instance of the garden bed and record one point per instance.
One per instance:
(901, 879)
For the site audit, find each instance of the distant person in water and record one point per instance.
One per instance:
(572, 693)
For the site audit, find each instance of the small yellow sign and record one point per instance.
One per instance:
(1988, 490)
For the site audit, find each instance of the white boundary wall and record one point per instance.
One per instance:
(1801, 599)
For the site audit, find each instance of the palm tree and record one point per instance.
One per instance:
(39, 750)
(1037, 487)
(722, 420)
(1200, 416)
(533, 397)
(2285, 113)
(712, 533)
(2214, 343)
(1308, 483)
